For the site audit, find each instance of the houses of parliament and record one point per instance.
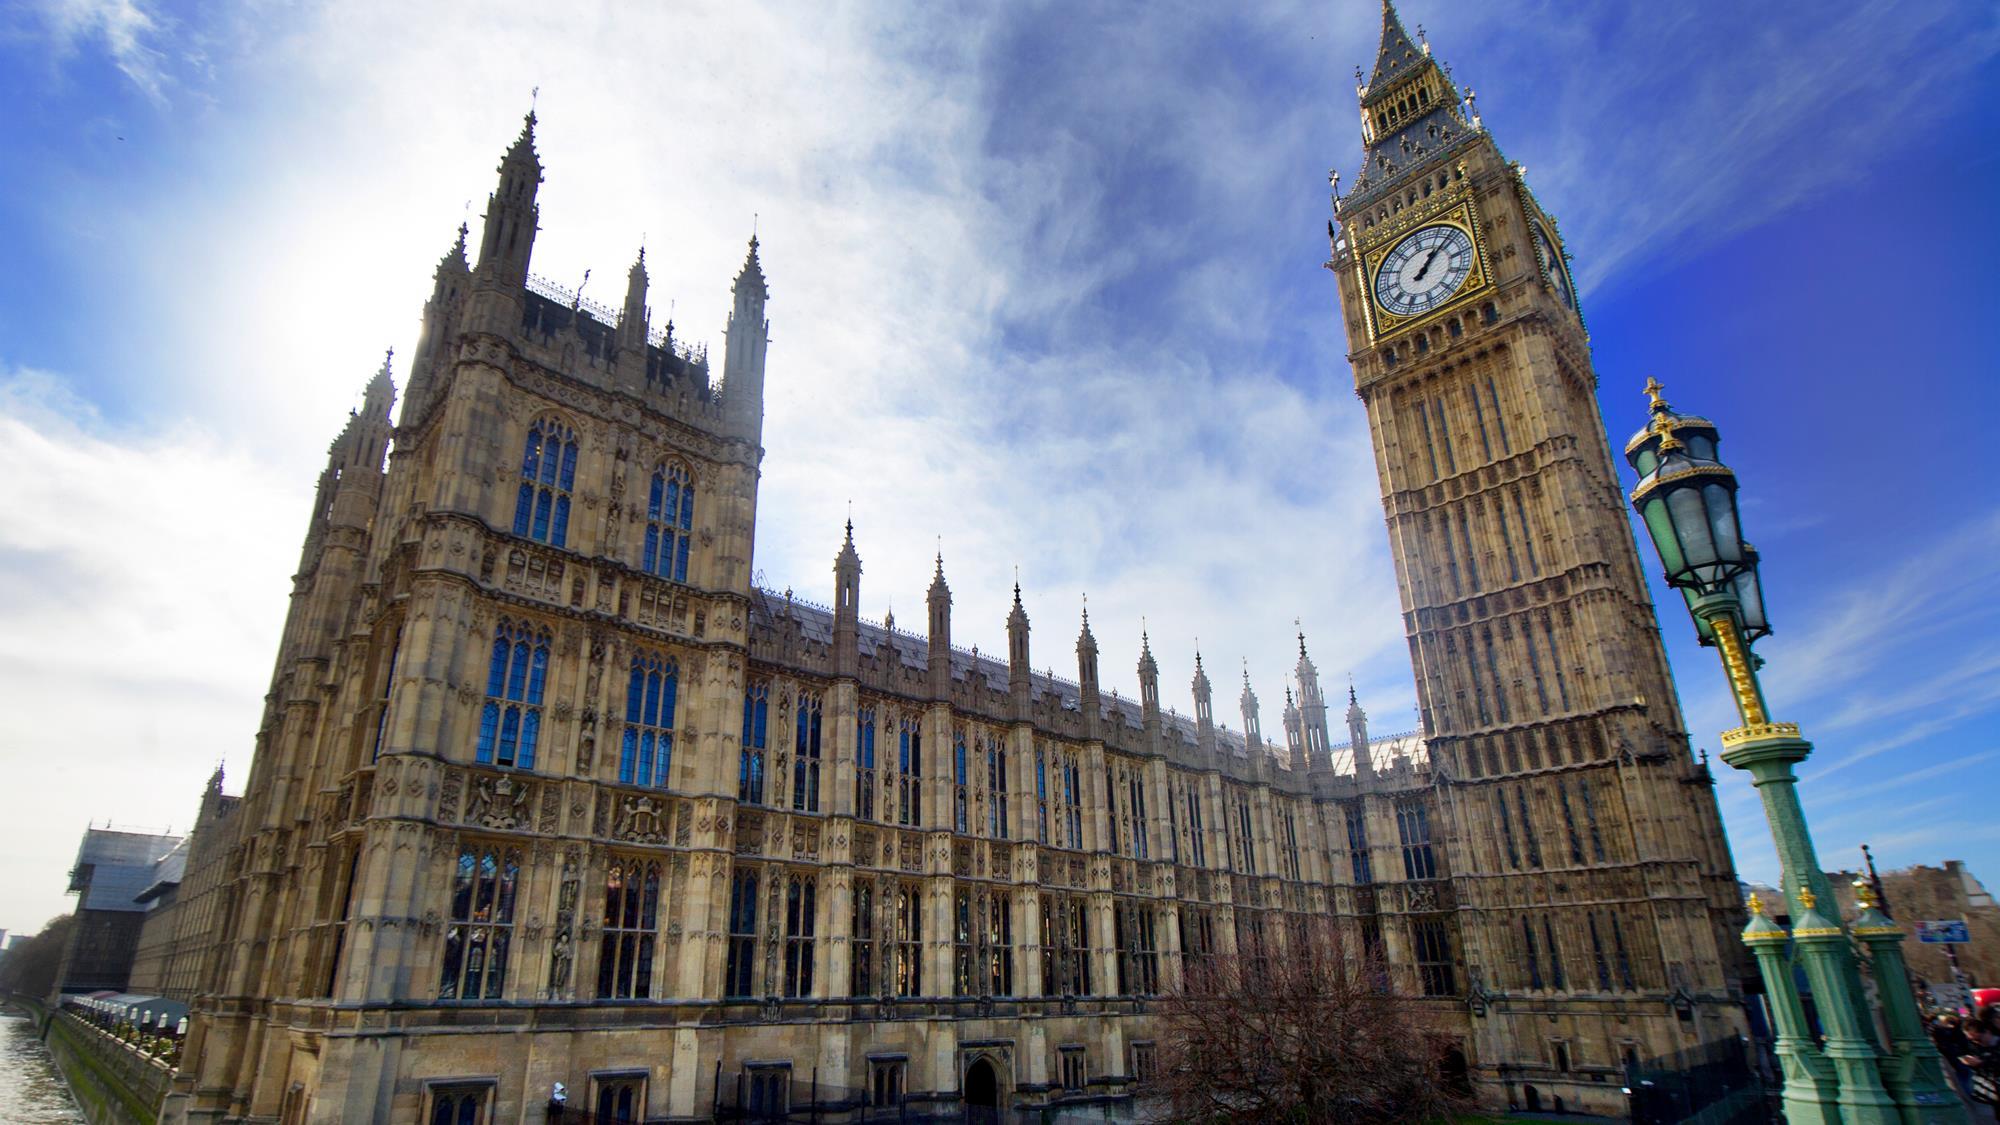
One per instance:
(549, 796)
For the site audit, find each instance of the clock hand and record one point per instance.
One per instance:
(1428, 259)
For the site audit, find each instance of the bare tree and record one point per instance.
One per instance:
(1304, 1034)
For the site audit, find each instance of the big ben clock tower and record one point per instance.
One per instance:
(1597, 905)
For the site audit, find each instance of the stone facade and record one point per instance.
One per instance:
(548, 792)
(179, 940)
(1924, 893)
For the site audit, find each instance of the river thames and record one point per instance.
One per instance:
(31, 1092)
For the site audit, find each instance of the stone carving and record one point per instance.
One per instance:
(639, 819)
(500, 802)
(551, 807)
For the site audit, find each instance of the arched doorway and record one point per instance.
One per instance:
(1455, 1074)
(982, 1092)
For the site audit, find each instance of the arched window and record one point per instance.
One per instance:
(750, 767)
(669, 522)
(996, 791)
(806, 754)
(910, 771)
(548, 472)
(864, 763)
(482, 924)
(959, 779)
(647, 756)
(631, 923)
(511, 723)
(800, 903)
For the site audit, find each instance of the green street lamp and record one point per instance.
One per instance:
(1862, 1070)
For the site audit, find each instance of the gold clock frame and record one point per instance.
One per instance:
(1452, 207)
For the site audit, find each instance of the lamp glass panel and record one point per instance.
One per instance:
(1721, 501)
(1690, 518)
(1660, 525)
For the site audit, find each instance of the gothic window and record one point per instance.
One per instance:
(510, 725)
(1291, 845)
(996, 791)
(886, 1078)
(1197, 937)
(1145, 1062)
(1624, 959)
(1413, 826)
(1072, 810)
(1246, 843)
(1471, 558)
(1534, 961)
(1555, 955)
(960, 777)
(742, 959)
(770, 1092)
(1489, 313)
(964, 917)
(1111, 806)
(801, 892)
(906, 968)
(1478, 411)
(1444, 433)
(1493, 672)
(1042, 795)
(1136, 792)
(1527, 537)
(1430, 445)
(382, 696)
(1196, 837)
(1173, 820)
(1535, 666)
(1450, 553)
(864, 763)
(805, 754)
(750, 763)
(621, 1098)
(460, 1104)
(1569, 823)
(1433, 949)
(482, 924)
(999, 943)
(1138, 959)
(669, 523)
(548, 472)
(861, 970)
(647, 756)
(1072, 1067)
(1065, 947)
(1528, 828)
(1493, 393)
(1507, 832)
(1357, 844)
(1597, 958)
(631, 923)
(1555, 662)
(909, 771)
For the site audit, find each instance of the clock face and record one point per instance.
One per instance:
(1552, 263)
(1423, 270)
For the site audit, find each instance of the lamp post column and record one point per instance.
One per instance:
(1914, 1070)
(1810, 1094)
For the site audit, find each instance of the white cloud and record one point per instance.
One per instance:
(127, 30)
(143, 591)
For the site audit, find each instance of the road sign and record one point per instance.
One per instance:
(1949, 931)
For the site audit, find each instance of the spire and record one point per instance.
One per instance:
(454, 258)
(751, 277)
(1398, 53)
(509, 235)
(632, 319)
(381, 390)
(847, 607)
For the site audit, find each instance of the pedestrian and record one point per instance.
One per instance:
(1953, 1044)
(1983, 1058)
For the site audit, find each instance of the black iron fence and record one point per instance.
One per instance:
(1718, 1083)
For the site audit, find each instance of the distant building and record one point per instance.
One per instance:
(112, 870)
(182, 903)
(1926, 894)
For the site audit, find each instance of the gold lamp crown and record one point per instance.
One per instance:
(1807, 900)
(1864, 894)
(1661, 412)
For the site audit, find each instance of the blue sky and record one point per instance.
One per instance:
(1046, 285)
